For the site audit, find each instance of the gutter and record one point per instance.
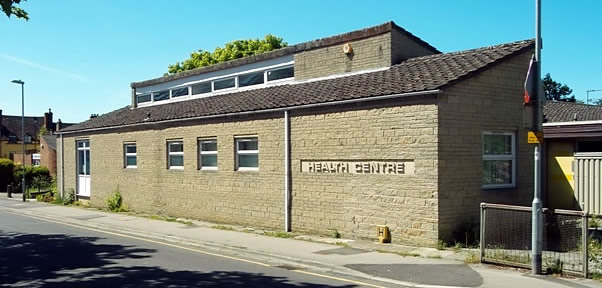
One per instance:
(552, 124)
(306, 106)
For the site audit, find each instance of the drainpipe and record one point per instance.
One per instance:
(287, 173)
(62, 190)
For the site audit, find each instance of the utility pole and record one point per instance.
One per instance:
(587, 93)
(536, 227)
(22, 133)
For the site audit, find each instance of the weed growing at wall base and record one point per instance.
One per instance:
(115, 202)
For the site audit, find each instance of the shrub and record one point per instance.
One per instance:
(68, 197)
(6, 173)
(115, 202)
(31, 172)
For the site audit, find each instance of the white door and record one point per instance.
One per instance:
(83, 168)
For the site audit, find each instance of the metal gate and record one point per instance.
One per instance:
(587, 168)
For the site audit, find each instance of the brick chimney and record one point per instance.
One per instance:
(59, 125)
(48, 121)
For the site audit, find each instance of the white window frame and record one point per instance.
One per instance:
(214, 92)
(246, 152)
(169, 154)
(511, 157)
(189, 88)
(126, 155)
(202, 152)
(278, 80)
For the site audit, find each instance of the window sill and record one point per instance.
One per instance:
(208, 169)
(130, 167)
(176, 168)
(498, 186)
(247, 169)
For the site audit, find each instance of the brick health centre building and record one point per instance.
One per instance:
(371, 127)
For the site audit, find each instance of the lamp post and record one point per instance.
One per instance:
(22, 134)
(588, 91)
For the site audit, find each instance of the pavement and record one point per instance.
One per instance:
(394, 265)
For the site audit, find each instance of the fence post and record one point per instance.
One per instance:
(585, 246)
(482, 232)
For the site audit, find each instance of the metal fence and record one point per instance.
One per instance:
(571, 239)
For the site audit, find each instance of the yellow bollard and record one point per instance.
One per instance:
(383, 234)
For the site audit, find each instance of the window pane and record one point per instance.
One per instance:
(87, 152)
(497, 172)
(281, 73)
(208, 160)
(130, 160)
(201, 88)
(250, 79)
(176, 147)
(80, 159)
(179, 92)
(249, 161)
(143, 98)
(497, 144)
(209, 146)
(223, 84)
(130, 149)
(161, 95)
(247, 145)
(176, 160)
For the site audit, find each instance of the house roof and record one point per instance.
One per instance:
(412, 75)
(11, 126)
(557, 111)
(314, 44)
(50, 141)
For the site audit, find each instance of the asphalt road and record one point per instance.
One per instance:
(37, 253)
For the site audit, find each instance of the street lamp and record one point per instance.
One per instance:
(22, 133)
(587, 92)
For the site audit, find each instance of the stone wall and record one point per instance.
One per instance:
(489, 101)
(225, 195)
(353, 204)
(404, 47)
(373, 52)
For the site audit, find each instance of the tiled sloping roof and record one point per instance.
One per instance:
(415, 74)
(11, 126)
(555, 111)
(50, 140)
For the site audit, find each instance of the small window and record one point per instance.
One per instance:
(208, 154)
(143, 98)
(175, 155)
(28, 139)
(282, 73)
(224, 84)
(499, 160)
(247, 154)
(129, 155)
(250, 79)
(201, 88)
(161, 95)
(179, 92)
(12, 139)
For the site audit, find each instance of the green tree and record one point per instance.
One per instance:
(230, 51)
(9, 8)
(557, 91)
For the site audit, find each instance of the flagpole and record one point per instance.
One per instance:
(536, 227)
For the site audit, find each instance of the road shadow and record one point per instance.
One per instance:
(57, 260)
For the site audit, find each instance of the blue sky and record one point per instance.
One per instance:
(79, 56)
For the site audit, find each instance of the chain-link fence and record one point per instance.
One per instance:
(570, 244)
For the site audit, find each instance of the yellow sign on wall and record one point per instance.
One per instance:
(534, 137)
